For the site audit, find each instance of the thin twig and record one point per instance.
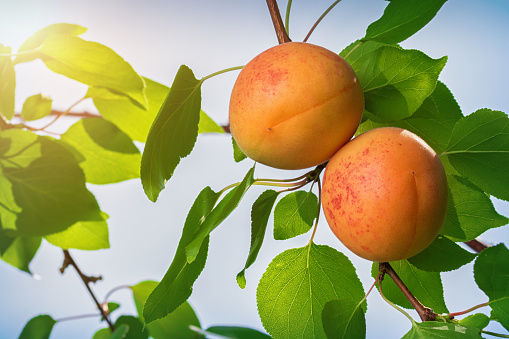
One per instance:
(320, 19)
(69, 261)
(425, 313)
(279, 26)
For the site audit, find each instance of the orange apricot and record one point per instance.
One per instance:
(384, 194)
(294, 105)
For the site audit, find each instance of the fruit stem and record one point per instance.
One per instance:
(281, 34)
(317, 180)
(495, 334)
(221, 72)
(426, 314)
(451, 315)
(379, 283)
(287, 18)
(320, 19)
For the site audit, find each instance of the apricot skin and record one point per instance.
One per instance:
(294, 105)
(385, 194)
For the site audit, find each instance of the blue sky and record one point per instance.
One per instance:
(156, 37)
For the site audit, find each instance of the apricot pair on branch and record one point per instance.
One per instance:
(298, 105)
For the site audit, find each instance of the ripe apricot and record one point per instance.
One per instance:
(294, 105)
(385, 194)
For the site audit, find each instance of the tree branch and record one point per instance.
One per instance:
(69, 261)
(279, 26)
(476, 245)
(425, 313)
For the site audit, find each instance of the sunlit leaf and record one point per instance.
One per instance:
(7, 84)
(177, 284)
(470, 211)
(109, 154)
(83, 235)
(491, 273)
(207, 125)
(294, 214)
(217, 215)
(173, 133)
(260, 214)
(39, 327)
(9, 209)
(297, 285)
(92, 64)
(479, 150)
(36, 40)
(441, 256)
(174, 325)
(18, 251)
(36, 107)
(344, 319)
(47, 183)
(402, 19)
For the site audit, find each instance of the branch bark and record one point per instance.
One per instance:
(476, 245)
(69, 261)
(279, 26)
(425, 313)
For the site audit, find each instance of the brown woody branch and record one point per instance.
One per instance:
(69, 261)
(476, 245)
(425, 313)
(279, 26)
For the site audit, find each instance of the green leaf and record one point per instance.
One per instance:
(470, 211)
(234, 332)
(294, 214)
(491, 273)
(478, 320)
(83, 235)
(207, 125)
(425, 286)
(402, 19)
(135, 121)
(177, 284)
(136, 327)
(433, 121)
(173, 133)
(479, 150)
(9, 209)
(105, 333)
(441, 330)
(260, 214)
(441, 256)
(223, 209)
(296, 286)
(47, 183)
(175, 325)
(18, 251)
(7, 84)
(238, 155)
(39, 327)
(344, 319)
(36, 107)
(92, 64)
(36, 40)
(395, 81)
(110, 155)
(130, 118)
